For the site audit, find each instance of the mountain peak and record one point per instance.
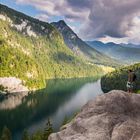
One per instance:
(111, 43)
(64, 29)
(60, 23)
(78, 46)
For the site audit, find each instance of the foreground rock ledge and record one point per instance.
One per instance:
(112, 116)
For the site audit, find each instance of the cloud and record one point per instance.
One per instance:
(111, 18)
(42, 17)
(98, 18)
(57, 8)
(133, 35)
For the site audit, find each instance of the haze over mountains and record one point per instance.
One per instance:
(130, 45)
(129, 53)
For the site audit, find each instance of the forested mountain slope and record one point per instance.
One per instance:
(33, 51)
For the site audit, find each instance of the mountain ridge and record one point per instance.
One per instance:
(34, 51)
(96, 42)
(127, 53)
(81, 48)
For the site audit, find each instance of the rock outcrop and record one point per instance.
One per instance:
(12, 84)
(111, 116)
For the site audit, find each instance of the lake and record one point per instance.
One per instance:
(61, 99)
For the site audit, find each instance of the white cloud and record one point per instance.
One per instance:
(133, 35)
(42, 17)
(116, 19)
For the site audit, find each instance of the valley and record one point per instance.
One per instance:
(129, 53)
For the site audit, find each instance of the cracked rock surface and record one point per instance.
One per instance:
(111, 116)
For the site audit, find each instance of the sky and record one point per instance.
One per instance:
(104, 20)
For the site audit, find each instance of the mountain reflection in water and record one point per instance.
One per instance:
(60, 98)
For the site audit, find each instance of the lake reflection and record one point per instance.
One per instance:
(59, 99)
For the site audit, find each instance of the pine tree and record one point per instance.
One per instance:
(25, 136)
(6, 134)
(48, 130)
(37, 136)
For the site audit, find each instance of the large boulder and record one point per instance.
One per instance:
(111, 116)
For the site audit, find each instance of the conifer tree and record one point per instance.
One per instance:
(48, 130)
(25, 136)
(6, 134)
(37, 136)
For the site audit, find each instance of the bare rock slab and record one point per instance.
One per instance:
(111, 116)
(12, 84)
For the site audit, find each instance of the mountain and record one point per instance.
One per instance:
(129, 53)
(80, 48)
(118, 78)
(130, 45)
(34, 51)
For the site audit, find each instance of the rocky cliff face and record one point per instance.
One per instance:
(112, 116)
(12, 84)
